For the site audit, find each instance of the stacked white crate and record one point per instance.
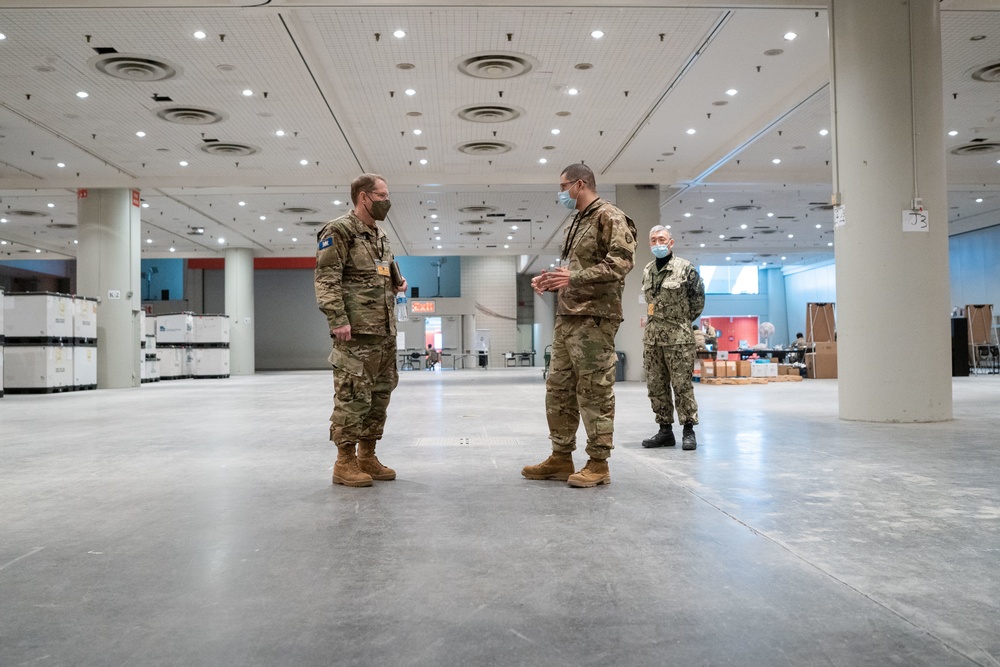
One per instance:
(84, 343)
(1, 343)
(38, 339)
(174, 336)
(211, 346)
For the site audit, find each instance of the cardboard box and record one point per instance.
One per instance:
(764, 370)
(708, 370)
(731, 369)
(743, 369)
(825, 348)
(821, 365)
(820, 325)
(721, 370)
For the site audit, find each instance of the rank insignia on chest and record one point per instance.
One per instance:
(326, 243)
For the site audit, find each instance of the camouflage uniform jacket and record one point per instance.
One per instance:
(350, 288)
(675, 296)
(600, 247)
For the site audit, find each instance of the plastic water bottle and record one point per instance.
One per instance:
(401, 314)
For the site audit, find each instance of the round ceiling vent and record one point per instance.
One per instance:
(822, 207)
(25, 213)
(485, 147)
(227, 149)
(311, 223)
(474, 232)
(477, 209)
(476, 223)
(743, 207)
(488, 113)
(190, 115)
(987, 73)
(61, 225)
(495, 65)
(299, 210)
(695, 231)
(977, 148)
(134, 67)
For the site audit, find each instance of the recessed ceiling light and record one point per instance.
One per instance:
(418, 132)
(50, 205)
(691, 130)
(783, 259)
(791, 236)
(74, 241)
(597, 34)
(789, 36)
(819, 226)
(199, 35)
(728, 258)
(60, 164)
(281, 229)
(505, 245)
(731, 92)
(572, 91)
(145, 205)
(434, 216)
(514, 227)
(437, 238)
(510, 238)
(294, 240)
(140, 134)
(823, 133)
(711, 201)
(668, 226)
(183, 163)
(2, 36)
(776, 160)
(722, 236)
(555, 130)
(37, 250)
(149, 240)
(701, 245)
(423, 162)
(399, 34)
(436, 228)
(979, 201)
(770, 215)
(242, 203)
(830, 243)
(173, 250)
(336, 202)
(542, 161)
(279, 133)
(263, 217)
(3, 219)
(440, 246)
(953, 133)
(303, 162)
(247, 93)
(687, 215)
(221, 240)
(763, 263)
(410, 92)
(743, 226)
(82, 95)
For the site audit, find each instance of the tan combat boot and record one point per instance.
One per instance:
(346, 471)
(594, 473)
(559, 466)
(369, 463)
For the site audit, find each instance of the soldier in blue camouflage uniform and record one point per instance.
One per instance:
(675, 296)
(356, 284)
(598, 252)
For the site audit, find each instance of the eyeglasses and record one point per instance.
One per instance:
(381, 196)
(563, 186)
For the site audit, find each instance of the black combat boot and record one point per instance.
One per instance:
(688, 441)
(664, 438)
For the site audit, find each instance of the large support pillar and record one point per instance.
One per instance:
(107, 267)
(642, 204)
(888, 149)
(544, 324)
(239, 307)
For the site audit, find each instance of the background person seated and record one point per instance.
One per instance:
(699, 337)
(800, 341)
(433, 356)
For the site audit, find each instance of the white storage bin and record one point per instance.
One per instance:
(85, 367)
(150, 344)
(211, 329)
(1, 317)
(172, 362)
(150, 329)
(763, 370)
(38, 315)
(211, 362)
(37, 368)
(1, 366)
(84, 319)
(176, 328)
(152, 369)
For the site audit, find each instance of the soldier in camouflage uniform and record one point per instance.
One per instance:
(675, 296)
(356, 285)
(598, 252)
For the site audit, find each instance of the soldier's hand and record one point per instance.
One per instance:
(401, 288)
(557, 278)
(538, 283)
(342, 333)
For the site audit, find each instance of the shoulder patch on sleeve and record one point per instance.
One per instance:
(326, 243)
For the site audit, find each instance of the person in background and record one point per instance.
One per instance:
(711, 336)
(699, 337)
(433, 356)
(675, 296)
(800, 341)
(356, 291)
(598, 252)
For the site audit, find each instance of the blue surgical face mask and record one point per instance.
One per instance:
(566, 200)
(660, 251)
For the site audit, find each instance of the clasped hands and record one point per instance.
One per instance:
(550, 281)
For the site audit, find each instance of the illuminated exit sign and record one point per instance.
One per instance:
(422, 307)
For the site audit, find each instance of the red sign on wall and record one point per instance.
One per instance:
(135, 198)
(81, 193)
(426, 307)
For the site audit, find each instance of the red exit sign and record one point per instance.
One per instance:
(425, 307)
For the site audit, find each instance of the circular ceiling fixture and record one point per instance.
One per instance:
(488, 113)
(583, 66)
(134, 67)
(190, 115)
(774, 52)
(743, 207)
(25, 213)
(476, 223)
(987, 73)
(484, 147)
(976, 148)
(405, 66)
(299, 210)
(311, 223)
(61, 225)
(495, 65)
(720, 103)
(474, 232)
(227, 149)
(477, 209)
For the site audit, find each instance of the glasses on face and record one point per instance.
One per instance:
(378, 196)
(563, 186)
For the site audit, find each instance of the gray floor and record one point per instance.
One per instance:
(194, 523)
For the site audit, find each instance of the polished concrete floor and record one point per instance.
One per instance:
(194, 523)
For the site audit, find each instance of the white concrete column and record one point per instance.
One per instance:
(642, 204)
(239, 307)
(888, 148)
(107, 267)
(544, 324)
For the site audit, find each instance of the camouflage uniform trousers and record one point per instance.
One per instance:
(671, 366)
(581, 383)
(364, 375)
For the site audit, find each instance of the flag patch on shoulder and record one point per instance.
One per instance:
(326, 243)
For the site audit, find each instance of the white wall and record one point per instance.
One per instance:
(975, 267)
(816, 284)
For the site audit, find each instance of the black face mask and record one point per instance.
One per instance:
(379, 208)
